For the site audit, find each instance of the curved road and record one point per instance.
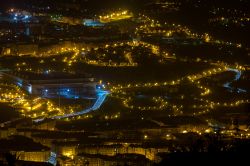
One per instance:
(237, 77)
(101, 96)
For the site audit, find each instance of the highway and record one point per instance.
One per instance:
(237, 77)
(101, 96)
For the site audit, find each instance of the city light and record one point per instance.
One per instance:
(124, 82)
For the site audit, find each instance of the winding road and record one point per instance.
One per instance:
(236, 78)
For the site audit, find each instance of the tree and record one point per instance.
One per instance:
(11, 158)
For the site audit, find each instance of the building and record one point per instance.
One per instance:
(53, 84)
(92, 23)
(37, 156)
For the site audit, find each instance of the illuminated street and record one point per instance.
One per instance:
(126, 82)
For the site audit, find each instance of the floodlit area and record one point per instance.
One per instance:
(116, 16)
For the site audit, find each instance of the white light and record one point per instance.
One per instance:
(30, 89)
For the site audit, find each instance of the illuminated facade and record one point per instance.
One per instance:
(36, 156)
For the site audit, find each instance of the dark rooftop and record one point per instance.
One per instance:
(20, 143)
(47, 76)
